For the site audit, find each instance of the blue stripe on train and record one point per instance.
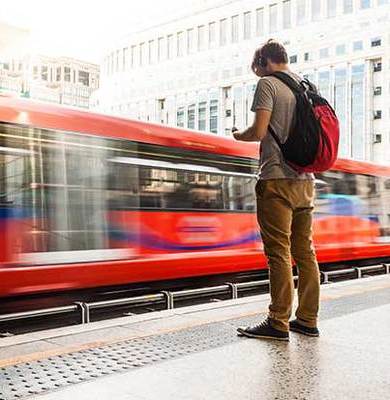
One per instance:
(156, 242)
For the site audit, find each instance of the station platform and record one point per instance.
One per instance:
(194, 353)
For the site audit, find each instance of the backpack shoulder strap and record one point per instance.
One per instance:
(295, 86)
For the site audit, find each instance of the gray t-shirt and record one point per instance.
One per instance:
(273, 95)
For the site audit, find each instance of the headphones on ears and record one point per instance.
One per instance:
(263, 62)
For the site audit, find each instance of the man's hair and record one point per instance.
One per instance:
(272, 50)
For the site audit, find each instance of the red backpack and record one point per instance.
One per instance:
(313, 140)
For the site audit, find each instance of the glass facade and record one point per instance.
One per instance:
(223, 32)
(235, 29)
(340, 103)
(324, 84)
(315, 10)
(286, 14)
(260, 22)
(202, 116)
(301, 12)
(331, 8)
(213, 112)
(180, 117)
(238, 107)
(247, 25)
(212, 33)
(357, 111)
(190, 40)
(180, 44)
(347, 6)
(191, 116)
(273, 18)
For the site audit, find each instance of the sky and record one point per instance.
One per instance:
(85, 28)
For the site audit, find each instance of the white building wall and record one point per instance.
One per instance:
(60, 80)
(332, 46)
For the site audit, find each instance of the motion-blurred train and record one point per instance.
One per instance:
(90, 200)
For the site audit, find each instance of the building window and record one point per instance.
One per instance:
(364, 4)
(377, 114)
(142, 54)
(358, 45)
(58, 74)
(315, 10)
(306, 57)
(287, 14)
(260, 22)
(125, 57)
(214, 116)
(301, 12)
(67, 74)
(273, 18)
(377, 66)
(180, 44)
(357, 111)
(383, 2)
(377, 90)
(340, 105)
(151, 52)
(324, 84)
(331, 8)
(247, 25)
(133, 55)
(212, 33)
(84, 78)
(180, 117)
(376, 42)
(324, 53)
(340, 49)
(222, 32)
(202, 116)
(347, 6)
(201, 37)
(169, 47)
(190, 40)
(191, 116)
(293, 59)
(35, 71)
(44, 73)
(235, 29)
(160, 49)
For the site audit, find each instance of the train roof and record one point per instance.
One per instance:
(48, 116)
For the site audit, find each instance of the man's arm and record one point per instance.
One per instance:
(258, 130)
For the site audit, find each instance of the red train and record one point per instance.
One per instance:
(90, 200)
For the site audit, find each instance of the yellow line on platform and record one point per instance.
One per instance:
(345, 292)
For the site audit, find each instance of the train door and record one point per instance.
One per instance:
(12, 191)
(69, 201)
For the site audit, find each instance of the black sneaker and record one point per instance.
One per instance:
(295, 326)
(263, 331)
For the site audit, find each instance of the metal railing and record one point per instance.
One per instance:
(169, 297)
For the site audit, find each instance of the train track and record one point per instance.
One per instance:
(81, 308)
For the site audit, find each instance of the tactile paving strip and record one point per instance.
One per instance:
(25, 380)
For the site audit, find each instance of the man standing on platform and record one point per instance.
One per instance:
(285, 200)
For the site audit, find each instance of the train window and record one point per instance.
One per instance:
(170, 189)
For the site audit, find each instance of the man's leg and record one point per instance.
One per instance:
(308, 272)
(275, 217)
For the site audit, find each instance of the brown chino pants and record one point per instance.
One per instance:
(284, 213)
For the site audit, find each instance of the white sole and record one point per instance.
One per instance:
(304, 333)
(243, 333)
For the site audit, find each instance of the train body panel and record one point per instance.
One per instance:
(88, 200)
